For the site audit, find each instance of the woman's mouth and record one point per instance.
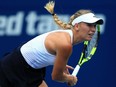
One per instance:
(91, 34)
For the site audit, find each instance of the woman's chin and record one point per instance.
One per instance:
(88, 39)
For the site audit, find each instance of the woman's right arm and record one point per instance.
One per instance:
(63, 53)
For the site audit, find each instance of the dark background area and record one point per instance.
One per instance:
(100, 71)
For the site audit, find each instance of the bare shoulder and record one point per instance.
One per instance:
(58, 41)
(63, 44)
(63, 39)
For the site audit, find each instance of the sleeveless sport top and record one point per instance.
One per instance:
(35, 53)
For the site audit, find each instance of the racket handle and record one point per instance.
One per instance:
(76, 70)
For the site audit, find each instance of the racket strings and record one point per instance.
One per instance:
(92, 43)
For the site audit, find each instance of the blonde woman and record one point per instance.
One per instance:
(25, 66)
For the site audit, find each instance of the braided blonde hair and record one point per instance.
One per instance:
(50, 8)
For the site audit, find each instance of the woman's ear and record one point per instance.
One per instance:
(76, 27)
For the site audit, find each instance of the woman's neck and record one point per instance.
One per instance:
(76, 37)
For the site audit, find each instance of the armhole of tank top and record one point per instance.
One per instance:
(71, 36)
(44, 47)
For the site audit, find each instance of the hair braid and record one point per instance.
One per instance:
(50, 8)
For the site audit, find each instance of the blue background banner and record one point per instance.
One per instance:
(21, 20)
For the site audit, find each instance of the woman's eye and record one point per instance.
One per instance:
(90, 25)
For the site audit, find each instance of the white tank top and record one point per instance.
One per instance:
(35, 53)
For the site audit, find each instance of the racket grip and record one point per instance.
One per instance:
(76, 70)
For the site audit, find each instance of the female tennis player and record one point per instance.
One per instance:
(26, 65)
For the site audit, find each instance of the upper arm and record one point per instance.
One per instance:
(63, 53)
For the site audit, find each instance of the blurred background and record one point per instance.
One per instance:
(21, 20)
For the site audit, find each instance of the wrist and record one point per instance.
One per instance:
(69, 78)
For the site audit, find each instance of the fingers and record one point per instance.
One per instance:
(69, 67)
(66, 69)
(73, 81)
(71, 84)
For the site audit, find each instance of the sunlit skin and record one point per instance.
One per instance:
(59, 44)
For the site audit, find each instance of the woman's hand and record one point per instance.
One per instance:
(72, 79)
(66, 71)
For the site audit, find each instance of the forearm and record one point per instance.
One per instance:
(62, 78)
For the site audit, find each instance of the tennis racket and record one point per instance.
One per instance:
(88, 51)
